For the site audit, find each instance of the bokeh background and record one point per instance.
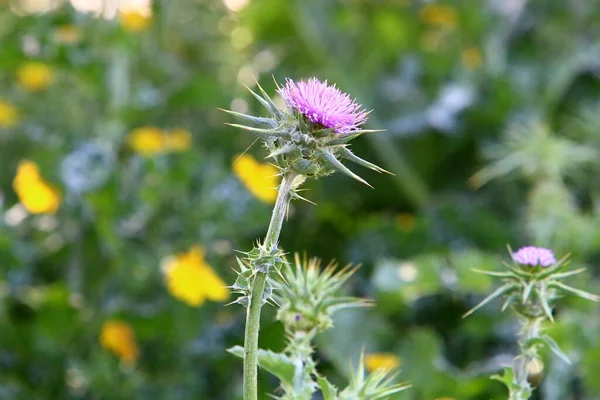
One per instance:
(123, 197)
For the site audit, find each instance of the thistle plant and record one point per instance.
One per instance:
(308, 297)
(531, 286)
(307, 140)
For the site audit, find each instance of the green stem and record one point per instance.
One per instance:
(522, 389)
(251, 337)
(299, 349)
(258, 288)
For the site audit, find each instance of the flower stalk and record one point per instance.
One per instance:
(532, 284)
(307, 140)
(528, 365)
(257, 290)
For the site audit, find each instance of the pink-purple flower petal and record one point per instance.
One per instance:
(531, 255)
(324, 104)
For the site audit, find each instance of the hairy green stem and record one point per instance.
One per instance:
(523, 389)
(299, 349)
(258, 288)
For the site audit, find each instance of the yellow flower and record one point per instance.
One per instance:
(135, 21)
(386, 361)
(38, 196)
(260, 179)
(9, 115)
(67, 34)
(178, 139)
(118, 337)
(35, 76)
(439, 15)
(471, 58)
(147, 140)
(190, 279)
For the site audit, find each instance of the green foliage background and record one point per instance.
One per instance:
(540, 61)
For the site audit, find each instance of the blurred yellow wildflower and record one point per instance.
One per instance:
(471, 58)
(134, 20)
(35, 76)
(150, 140)
(147, 140)
(190, 279)
(36, 195)
(439, 15)
(9, 116)
(386, 361)
(118, 337)
(178, 139)
(67, 34)
(259, 178)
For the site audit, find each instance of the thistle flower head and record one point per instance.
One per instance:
(531, 255)
(313, 135)
(531, 292)
(323, 104)
(308, 295)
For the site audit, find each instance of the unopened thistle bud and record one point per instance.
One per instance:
(308, 296)
(312, 135)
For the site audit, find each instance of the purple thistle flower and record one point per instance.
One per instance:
(531, 255)
(324, 104)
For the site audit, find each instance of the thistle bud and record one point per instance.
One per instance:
(308, 296)
(535, 372)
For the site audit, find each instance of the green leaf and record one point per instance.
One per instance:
(543, 298)
(288, 148)
(507, 378)
(504, 289)
(350, 156)
(562, 275)
(581, 293)
(555, 348)
(262, 133)
(493, 273)
(328, 390)
(266, 102)
(527, 291)
(268, 122)
(278, 364)
(346, 138)
(334, 163)
(272, 106)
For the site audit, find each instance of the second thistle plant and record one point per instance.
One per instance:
(532, 284)
(307, 140)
